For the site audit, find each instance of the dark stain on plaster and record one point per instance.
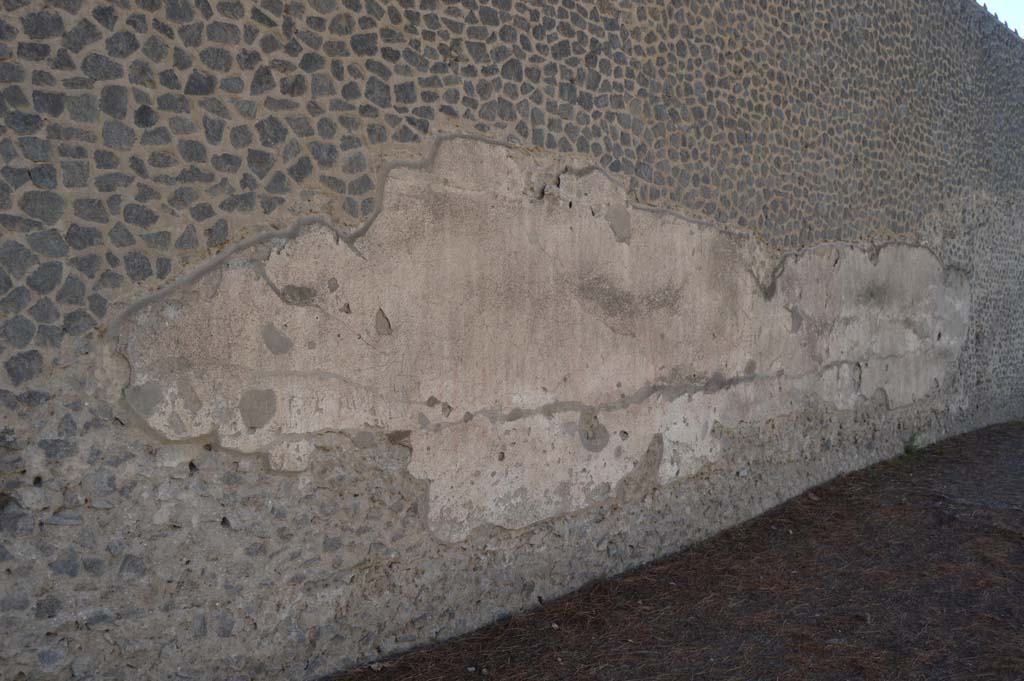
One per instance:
(302, 296)
(593, 434)
(257, 407)
(620, 222)
(381, 324)
(145, 398)
(276, 341)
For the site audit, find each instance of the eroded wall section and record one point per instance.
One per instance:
(527, 345)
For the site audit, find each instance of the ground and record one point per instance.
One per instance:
(912, 569)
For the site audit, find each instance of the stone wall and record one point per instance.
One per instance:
(335, 327)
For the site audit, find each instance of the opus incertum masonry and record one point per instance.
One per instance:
(333, 327)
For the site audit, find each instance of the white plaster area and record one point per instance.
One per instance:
(532, 342)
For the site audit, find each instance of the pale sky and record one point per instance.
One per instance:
(1010, 11)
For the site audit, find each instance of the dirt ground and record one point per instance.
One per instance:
(912, 569)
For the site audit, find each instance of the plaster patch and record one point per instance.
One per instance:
(516, 337)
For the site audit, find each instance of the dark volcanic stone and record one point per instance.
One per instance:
(200, 83)
(45, 206)
(272, 131)
(42, 25)
(114, 101)
(48, 103)
(99, 67)
(24, 366)
(45, 277)
(146, 117)
(122, 44)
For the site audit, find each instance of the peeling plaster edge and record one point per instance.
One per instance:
(427, 162)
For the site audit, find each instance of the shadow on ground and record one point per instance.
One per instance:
(912, 569)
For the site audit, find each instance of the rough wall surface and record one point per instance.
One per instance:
(332, 328)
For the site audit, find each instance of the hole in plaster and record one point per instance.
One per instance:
(37, 481)
(501, 456)
(382, 324)
(224, 522)
(192, 467)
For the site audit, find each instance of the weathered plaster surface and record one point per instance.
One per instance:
(528, 340)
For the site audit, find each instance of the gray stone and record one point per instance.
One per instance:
(21, 122)
(278, 183)
(48, 336)
(213, 128)
(378, 92)
(45, 206)
(192, 151)
(44, 176)
(218, 234)
(84, 33)
(19, 331)
(364, 44)
(74, 173)
(106, 15)
(301, 169)
(19, 223)
(42, 25)
(114, 101)
(117, 135)
(48, 103)
(137, 266)
(324, 153)
(83, 108)
(72, 292)
(93, 210)
(122, 44)
(154, 48)
(120, 236)
(222, 32)
(88, 264)
(45, 277)
(139, 215)
(272, 131)
(262, 81)
(78, 322)
(44, 311)
(232, 84)
(58, 449)
(11, 72)
(240, 136)
(48, 242)
(226, 163)
(23, 366)
(179, 11)
(216, 58)
(200, 83)
(105, 159)
(158, 240)
(35, 149)
(66, 564)
(260, 162)
(13, 602)
(100, 67)
(79, 237)
(16, 258)
(132, 567)
(16, 300)
(188, 238)
(97, 305)
(146, 117)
